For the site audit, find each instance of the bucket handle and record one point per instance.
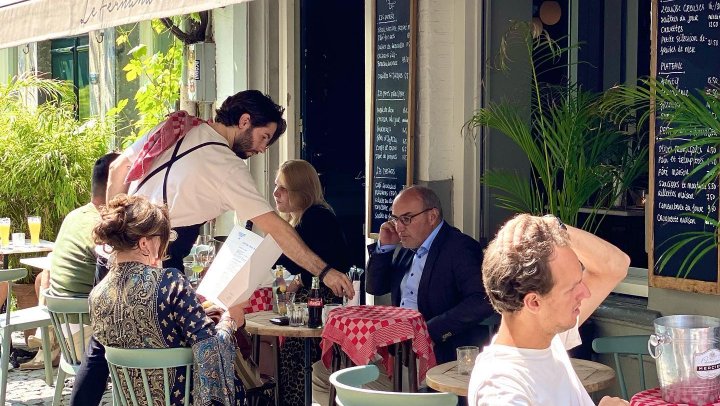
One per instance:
(655, 344)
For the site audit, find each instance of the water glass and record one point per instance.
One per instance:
(466, 358)
(34, 223)
(18, 239)
(296, 313)
(326, 311)
(4, 231)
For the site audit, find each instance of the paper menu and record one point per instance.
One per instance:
(239, 267)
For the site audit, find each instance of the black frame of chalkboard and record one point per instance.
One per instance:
(658, 281)
(411, 102)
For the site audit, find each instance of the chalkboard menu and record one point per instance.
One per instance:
(687, 54)
(393, 100)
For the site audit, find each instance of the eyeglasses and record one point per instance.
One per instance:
(406, 219)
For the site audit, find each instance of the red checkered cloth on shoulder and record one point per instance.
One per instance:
(175, 127)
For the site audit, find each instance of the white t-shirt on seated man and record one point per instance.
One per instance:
(545, 279)
(507, 375)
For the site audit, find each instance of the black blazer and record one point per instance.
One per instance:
(320, 229)
(451, 296)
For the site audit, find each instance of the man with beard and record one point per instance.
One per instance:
(197, 169)
(545, 279)
(202, 174)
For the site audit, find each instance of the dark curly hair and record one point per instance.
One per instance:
(125, 219)
(511, 272)
(261, 108)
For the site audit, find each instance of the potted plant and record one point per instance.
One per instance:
(569, 140)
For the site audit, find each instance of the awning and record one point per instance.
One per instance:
(23, 21)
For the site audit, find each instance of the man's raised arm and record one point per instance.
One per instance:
(118, 171)
(295, 249)
(605, 266)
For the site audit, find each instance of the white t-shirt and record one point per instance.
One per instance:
(203, 184)
(514, 376)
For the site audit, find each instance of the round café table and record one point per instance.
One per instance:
(259, 324)
(445, 377)
(6, 251)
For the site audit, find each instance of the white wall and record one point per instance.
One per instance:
(230, 32)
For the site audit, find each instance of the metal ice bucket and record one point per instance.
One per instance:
(687, 353)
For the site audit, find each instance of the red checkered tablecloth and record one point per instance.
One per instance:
(261, 300)
(363, 331)
(653, 397)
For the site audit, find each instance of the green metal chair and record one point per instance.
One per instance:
(19, 320)
(628, 345)
(121, 361)
(64, 313)
(349, 381)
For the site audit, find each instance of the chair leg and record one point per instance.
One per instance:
(59, 386)
(4, 361)
(47, 355)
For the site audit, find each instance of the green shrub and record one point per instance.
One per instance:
(46, 155)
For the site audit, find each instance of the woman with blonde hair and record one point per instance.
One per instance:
(299, 199)
(139, 304)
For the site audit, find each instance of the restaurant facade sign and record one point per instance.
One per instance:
(25, 21)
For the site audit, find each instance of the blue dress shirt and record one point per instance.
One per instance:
(411, 280)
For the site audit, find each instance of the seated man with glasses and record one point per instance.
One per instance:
(430, 266)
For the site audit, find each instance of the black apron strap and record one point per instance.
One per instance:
(172, 160)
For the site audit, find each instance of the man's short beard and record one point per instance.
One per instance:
(242, 144)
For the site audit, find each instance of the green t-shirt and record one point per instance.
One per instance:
(72, 265)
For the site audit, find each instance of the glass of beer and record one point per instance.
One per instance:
(34, 226)
(4, 231)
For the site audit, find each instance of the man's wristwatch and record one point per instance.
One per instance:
(560, 223)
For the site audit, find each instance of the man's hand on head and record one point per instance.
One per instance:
(339, 283)
(388, 234)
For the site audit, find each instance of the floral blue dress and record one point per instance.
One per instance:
(140, 306)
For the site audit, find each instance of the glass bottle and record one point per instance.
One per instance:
(279, 288)
(315, 305)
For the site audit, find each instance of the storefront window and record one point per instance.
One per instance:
(70, 62)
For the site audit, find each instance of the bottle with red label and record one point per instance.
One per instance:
(315, 305)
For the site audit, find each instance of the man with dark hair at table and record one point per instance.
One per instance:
(545, 279)
(429, 266)
(72, 262)
(197, 168)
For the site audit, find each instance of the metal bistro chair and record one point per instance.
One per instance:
(64, 313)
(630, 345)
(122, 360)
(19, 320)
(348, 383)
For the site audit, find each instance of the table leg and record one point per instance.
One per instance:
(278, 388)
(308, 372)
(334, 367)
(412, 366)
(397, 368)
(256, 349)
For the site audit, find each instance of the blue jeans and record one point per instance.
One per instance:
(91, 379)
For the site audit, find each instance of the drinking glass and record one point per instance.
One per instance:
(18, 239)
(4, 231)
(34, 226)
(204, 255)
(296, 312)
(466, 359)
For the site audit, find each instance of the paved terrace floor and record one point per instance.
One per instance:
(29, 387)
